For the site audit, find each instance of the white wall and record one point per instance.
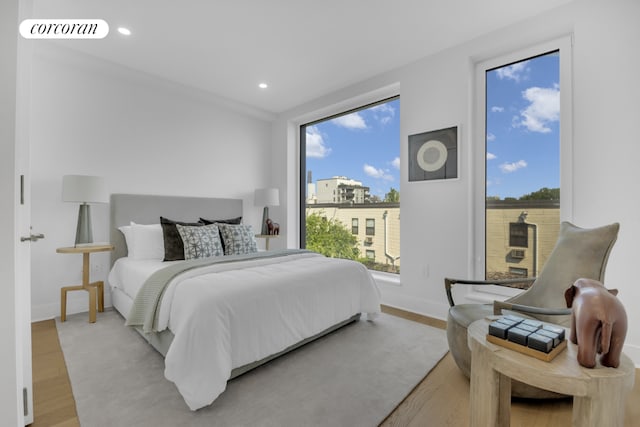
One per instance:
(143, 135)
(436, 92)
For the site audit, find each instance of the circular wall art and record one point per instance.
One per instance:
(433, 155)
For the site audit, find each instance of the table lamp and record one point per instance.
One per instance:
(266, 197)
(84, 189)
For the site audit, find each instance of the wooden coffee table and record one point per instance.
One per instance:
(599, 395)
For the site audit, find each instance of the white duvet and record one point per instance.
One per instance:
(230, 315)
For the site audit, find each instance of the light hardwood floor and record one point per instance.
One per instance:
(441, 399)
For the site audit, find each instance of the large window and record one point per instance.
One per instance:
(350, 175)
(522, 164)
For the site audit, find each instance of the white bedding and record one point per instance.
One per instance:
(228, 315)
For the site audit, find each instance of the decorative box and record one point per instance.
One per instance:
(553, 335)
(534, 323)
(518, 335)
(555, 329)
(540, 342)
(499, 329)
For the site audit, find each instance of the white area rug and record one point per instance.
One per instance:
(355, 376)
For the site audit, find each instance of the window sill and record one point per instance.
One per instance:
(383, 278)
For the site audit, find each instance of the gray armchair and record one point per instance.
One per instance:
(579, 252)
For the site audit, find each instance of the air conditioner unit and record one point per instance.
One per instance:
(518, 253)
(368, 239)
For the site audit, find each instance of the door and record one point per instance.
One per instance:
(12, 300)
(23, 215)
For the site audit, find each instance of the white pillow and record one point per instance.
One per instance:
(128, 234)
(147, 241)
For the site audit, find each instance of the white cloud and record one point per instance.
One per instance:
(491, 156)
(497, 109)
(512, 167)
(316, 147)
(543, 109)
(396, 163)
(491, 137)
(514, 72)
(350, 121)
(376, 173)
(383, 113)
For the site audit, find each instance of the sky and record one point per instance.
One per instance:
(364, 146)
(522, 141)
(523, 113)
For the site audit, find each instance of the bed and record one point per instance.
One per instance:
(216, 317)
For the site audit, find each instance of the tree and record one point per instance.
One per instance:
(393, 196)
(543, 194)
(330, 237)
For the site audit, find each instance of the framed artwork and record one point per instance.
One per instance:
(433, 155)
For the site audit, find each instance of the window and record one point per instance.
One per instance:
(349, 168)
(518, 272)
(371, 227)
(524, 98)
(518, 235)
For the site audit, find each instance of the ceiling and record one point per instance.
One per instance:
(301, 48)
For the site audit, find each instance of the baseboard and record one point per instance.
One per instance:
(74, 305)
(416, 317)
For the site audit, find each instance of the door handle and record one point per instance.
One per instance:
(32, 238)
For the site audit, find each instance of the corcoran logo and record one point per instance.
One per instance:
(64, 29)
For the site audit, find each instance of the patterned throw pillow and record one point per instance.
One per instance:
(238, 239)
(200, 241)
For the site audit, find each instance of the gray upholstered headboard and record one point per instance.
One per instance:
(147, 209)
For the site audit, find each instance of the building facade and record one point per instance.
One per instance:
(339, 189)
(520, 236)
(375, 225)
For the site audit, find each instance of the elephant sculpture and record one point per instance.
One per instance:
(273, 228)
(598, 322)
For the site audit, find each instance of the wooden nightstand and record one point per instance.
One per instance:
(266, 238)
(95, 289)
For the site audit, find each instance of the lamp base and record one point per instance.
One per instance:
(265, 215)
(83, 231)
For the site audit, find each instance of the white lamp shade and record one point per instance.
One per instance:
(267, 197)
(84, 189)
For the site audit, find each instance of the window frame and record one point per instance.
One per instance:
(518, 238)
(477, 262)
(377, 97)
(355, 229)
(370, 230)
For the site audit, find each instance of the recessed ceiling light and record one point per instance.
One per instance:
(124, 31)
(263, 85)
